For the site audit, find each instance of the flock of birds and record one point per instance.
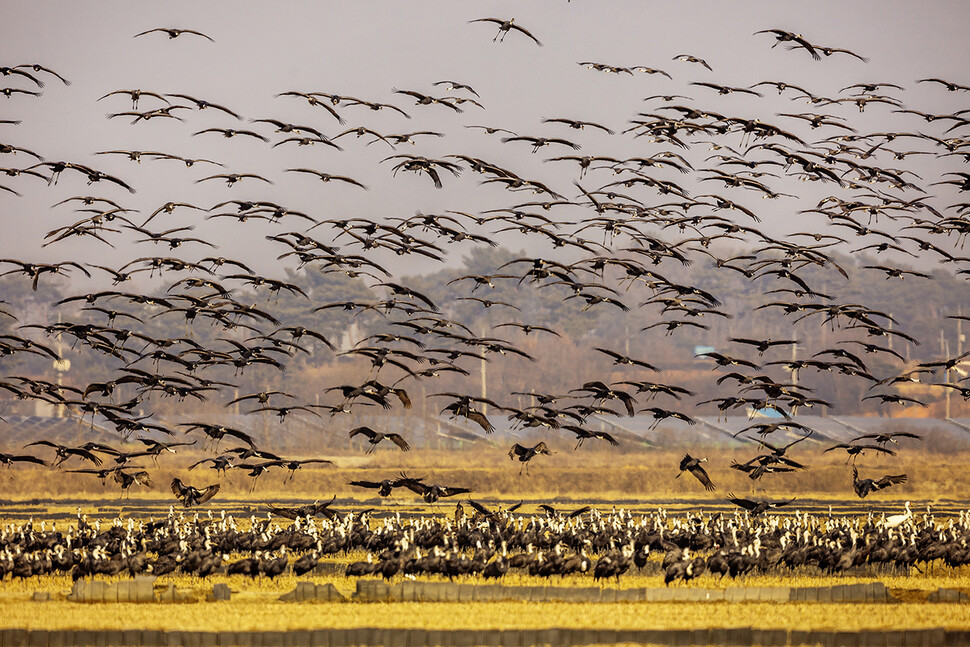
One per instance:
(612, 245)
(487, 544)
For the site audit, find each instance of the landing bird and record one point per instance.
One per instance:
(756, 507)
(191, 496)
(526, 454)
(863, 487)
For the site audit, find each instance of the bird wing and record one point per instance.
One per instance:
(143, 478)
(25, 458)
(43, 442)
(368, 484)
(314, 460)
(415, 485)
(367, 431)
(527, 33)
(747, 504)
(889, 480)
(398, 440)
(207, 493)
(286, 513)
(702, 476)
(480, 508)
(480, 419)
(178, 489)
(85, 454)
(453, 491)
(607, 437)
(246, 438)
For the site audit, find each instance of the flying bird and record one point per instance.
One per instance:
(375, 437)
(693, 465)
(863, 487)
(504, 26)
(191, 496)
(756, 507)
(174, 33)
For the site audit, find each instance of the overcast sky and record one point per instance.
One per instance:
(365, 49)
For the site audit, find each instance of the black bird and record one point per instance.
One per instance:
(10, 459)
(430, 493)
(782, 36)
(624, 360)
(687, 58)
(202, 104)
(63, 452)
(552, 512)
(888, 437)
(384, 487)
(863, 487)
(375, 437)
(854, 450)
(583, 434)
(526, 454)
(763, 344)
(314, 509)
(40, 68)
(756, 507)
(693, 465)
(174, 33)
(191, 496)
(504, 26)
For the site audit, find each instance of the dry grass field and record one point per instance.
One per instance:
(255, 607)
(250, 615)
(603, 475)
(640, 482)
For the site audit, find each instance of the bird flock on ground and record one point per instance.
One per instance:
(619, 236)
(489, 543)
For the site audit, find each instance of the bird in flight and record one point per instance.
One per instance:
(693, 465)
(504, 27)
(191, 496)
(863, 487)
(174, 33)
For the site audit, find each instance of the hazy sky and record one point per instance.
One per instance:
(365, 49)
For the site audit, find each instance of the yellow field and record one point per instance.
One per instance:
(603, 474)
(638, 482)
(254, 606)
(280, 616)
